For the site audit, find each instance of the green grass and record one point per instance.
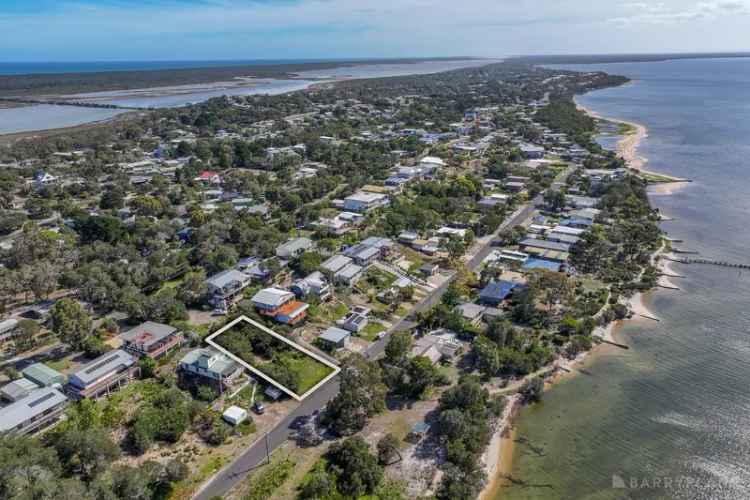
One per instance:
(370, 332)
(309, 372)
(329, 312)
(268, 479)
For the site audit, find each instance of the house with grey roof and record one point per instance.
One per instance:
(210, 365)
(105, 374)
(335, 338)
(18, 389)
(293, 248)
(39, 409)
(8, 328)
(349, 274)
(227, 285)
(151, 339)
(336, 263)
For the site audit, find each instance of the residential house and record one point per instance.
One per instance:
(226, 286)
(437, 345)
(495, 292)
(294, 248)
(280, 305)
(151, 339)
(531, 152)
(211, 365)
(17, 389)
(43, 376)
(349, 274)
(208, 177)
(429, 269)
(8, 328)
(335, 338)
(334, 264)
(364, 202)
(315, 283)
(472, 313)
(39, 409)
(103, 375)
(530, 243)
(362, 254)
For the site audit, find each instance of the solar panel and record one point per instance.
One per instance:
(41, 400)
(92, 369)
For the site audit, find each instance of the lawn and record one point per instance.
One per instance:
(329, 312)
(370, 332)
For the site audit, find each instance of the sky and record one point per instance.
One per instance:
(129, 30)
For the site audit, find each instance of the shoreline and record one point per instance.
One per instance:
(627, 149)
(498, 457)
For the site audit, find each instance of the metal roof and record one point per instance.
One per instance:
(148, 333)
(18, 389)
(273, 297)
(334, 335)
(336, 263)
(102, 366)
(41, 374)
(498, 290)
(224, 278)
(35, 404)
(210, 360)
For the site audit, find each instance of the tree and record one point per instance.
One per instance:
(533, 389)
(27, 469)
(309, 262)
(87, 452)
(359, 471)
(388, 449)
(554, 199)
(70, 322)
(398, 348)
(193, 288)
(361, 395)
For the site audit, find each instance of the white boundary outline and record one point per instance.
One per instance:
(210, 341)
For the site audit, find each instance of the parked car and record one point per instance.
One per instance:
(259, 408)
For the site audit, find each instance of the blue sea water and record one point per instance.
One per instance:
(670, 417)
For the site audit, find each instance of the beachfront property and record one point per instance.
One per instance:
(151, 339)
(281, 305)
(39, 409)
(105, 374)
(437, 345)
(294, 248)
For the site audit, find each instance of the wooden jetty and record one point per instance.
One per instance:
(687, 260)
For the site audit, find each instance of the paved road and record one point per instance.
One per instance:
(255, 455)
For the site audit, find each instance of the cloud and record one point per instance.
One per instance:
(660, 13)
(272, 29)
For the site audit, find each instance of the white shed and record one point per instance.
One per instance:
(235, 415)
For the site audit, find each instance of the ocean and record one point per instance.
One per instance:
(670, 417)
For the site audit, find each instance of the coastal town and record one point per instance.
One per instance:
(340, 292)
